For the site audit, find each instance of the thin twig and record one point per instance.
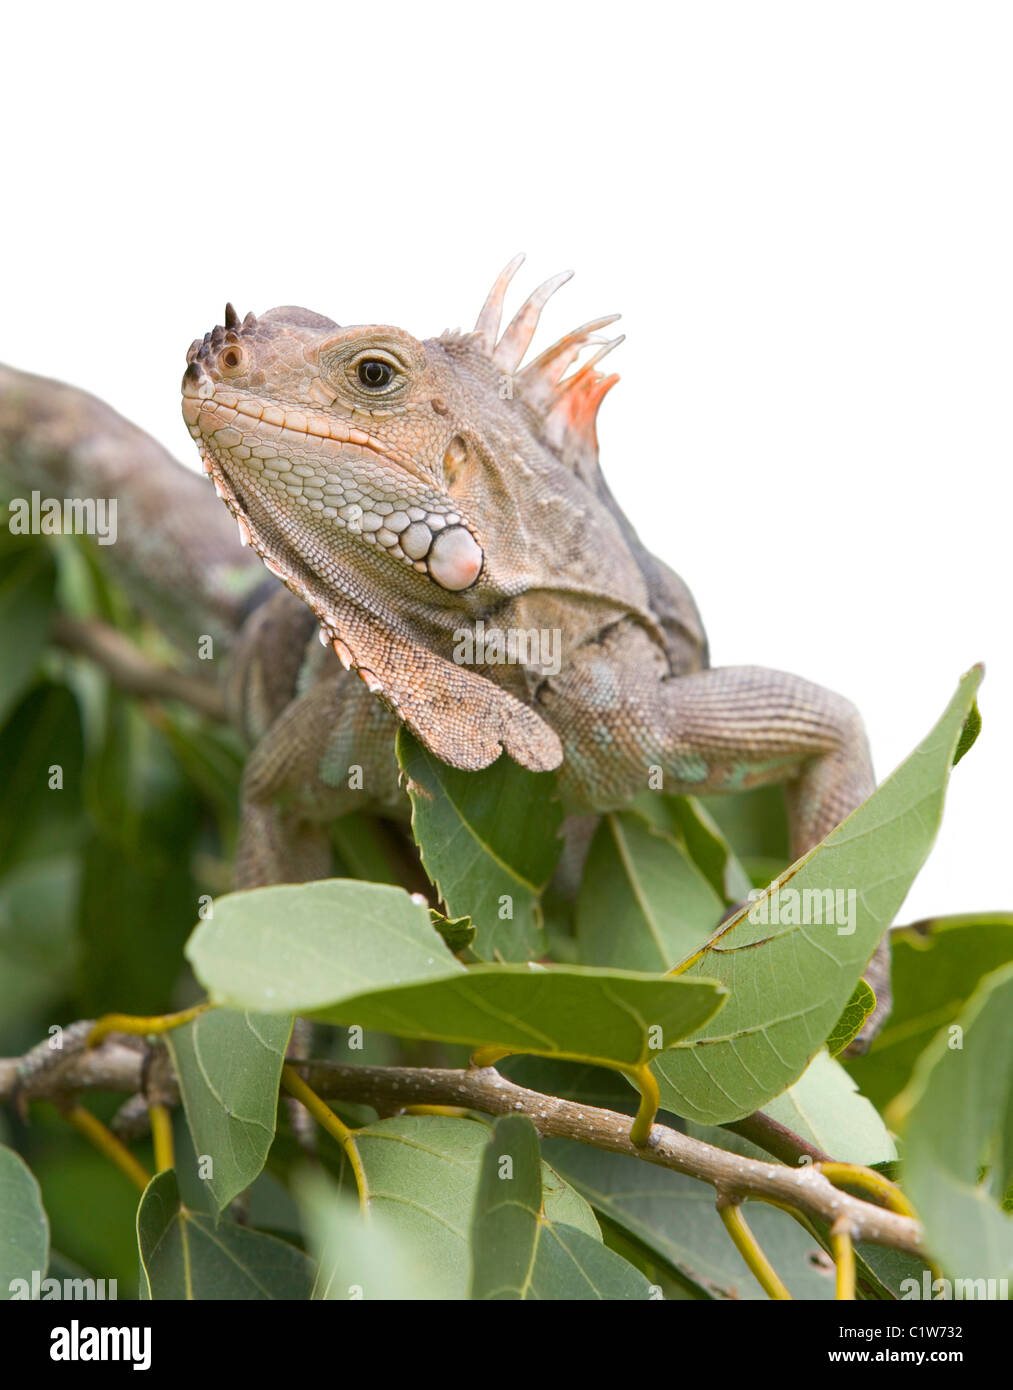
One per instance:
(130, 670)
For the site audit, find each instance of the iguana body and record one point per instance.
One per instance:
(397, 511)
(404, 490)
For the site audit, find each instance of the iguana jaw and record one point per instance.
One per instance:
(291, 456)
(340, 585)
(249, 536)
(390, 637)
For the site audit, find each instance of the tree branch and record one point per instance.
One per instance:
(130, 669)
(176, 551)
(114, 1066)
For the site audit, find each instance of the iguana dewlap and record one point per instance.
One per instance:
(404, 490)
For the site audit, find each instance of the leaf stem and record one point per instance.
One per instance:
(869, 1182)
(161, 1134)
(107, 1144)
(650, 1098)
(139, 1026)
(456, 1111)
(337, 1129)
(843, 1251)
(749, 1248)
(488, 1056)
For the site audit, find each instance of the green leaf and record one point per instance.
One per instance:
(211, 757)
(856, 1011)
(824, 1107)
(27, 583)
(489, 843)
(38, 819)
(505, 1233)
(968, 734)
(78, 1182)
(229, 1069)
(24, 1230)
(936, 966)
(643, 903)
(756, 823)
(959, 1120)
(137, 891)
(294, 948)
(38, 946)
(789, 983)
(711, 852)
(355, 1258)
(187, 1255)
(570, 1265)
(310, 948)
(457, 932)
(422, 1173)
(516, 1252)
(616, 1018)
(364, 847)
(674, 1215)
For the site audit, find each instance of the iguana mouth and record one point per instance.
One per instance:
(295, 421)
(420, 530)
(227, 493)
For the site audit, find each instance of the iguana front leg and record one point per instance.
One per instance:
(743, 726)
(330, 752)
(712, 731)
(627, 726)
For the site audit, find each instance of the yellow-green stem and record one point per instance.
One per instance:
(650, 1098)
(107, 1144)
(326, 1118)
(457, 1111)
(140, 1026)
(844, 1258)
(749, 1248)
(161, 1135)
(868, 1181)
(488, 1056)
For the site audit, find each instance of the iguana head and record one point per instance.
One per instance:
(400, 485)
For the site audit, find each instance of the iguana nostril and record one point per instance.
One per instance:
(455, 559)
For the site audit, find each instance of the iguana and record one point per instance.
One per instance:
(405, 492)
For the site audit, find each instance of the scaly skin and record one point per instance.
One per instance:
(406, 490)
(470, 445)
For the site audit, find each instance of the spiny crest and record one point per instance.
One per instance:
(568, 405)
(220, 335)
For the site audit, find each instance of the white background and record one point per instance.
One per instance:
(803, 210)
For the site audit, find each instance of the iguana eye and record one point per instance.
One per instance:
(374, 374)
